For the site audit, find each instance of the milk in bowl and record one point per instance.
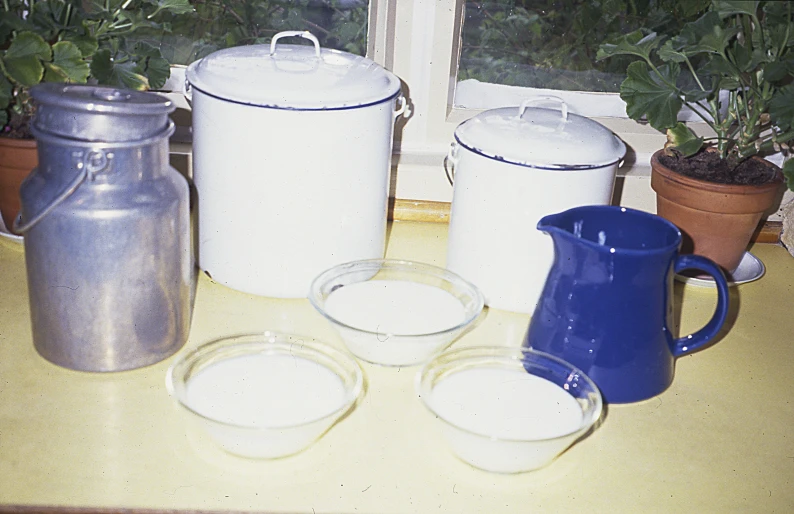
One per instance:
(265, 395)
(395, 313)
(508, 410)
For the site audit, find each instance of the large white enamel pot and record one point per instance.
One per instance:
(292, 150)
(512, 166)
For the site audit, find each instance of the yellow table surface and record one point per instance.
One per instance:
(720, 439)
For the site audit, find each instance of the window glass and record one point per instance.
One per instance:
(216, 24)
(552, 44)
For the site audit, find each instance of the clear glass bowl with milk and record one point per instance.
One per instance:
(265, 395)
(393, 312)
(505, 409)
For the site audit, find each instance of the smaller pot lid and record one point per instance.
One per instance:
(98, 113)
(540, 138)
(299, 77)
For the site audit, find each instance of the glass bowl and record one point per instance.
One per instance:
(505, 409)
(395, 313)
(265, 395)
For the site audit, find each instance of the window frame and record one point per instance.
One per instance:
(423, 49)
(419, 41)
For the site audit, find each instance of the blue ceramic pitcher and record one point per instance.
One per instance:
(607, 305)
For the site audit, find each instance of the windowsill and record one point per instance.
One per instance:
(421, 191)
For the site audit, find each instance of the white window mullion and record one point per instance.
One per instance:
(380, 33)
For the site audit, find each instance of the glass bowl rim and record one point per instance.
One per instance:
(402, 265)
(253, 340)
(506, 354)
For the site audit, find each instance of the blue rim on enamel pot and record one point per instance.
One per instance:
(293, 77)
(540, 138)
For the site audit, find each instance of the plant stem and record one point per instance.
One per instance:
(783, 47)
(695, 75)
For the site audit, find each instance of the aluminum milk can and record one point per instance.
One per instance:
(106, 223)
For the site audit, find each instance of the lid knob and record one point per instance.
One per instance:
(111, 95)
(305, 34)
(537, 99)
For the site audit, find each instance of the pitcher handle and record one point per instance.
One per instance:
(692, 342)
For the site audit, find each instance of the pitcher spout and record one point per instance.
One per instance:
(613, 229)
(574, 227)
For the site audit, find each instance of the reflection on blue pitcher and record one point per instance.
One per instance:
(607, 307)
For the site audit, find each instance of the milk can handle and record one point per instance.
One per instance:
(293, 33)
(692, 342)
(22, 227)
(450, 161)
(537, 99)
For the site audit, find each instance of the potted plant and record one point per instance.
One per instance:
(733, 68)
(69, 41)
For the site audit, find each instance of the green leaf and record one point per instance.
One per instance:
(67, 64)
(692, 7)
(781, 108)
(151, 64)
(118, 71)
(23, 58)
(704, 35)
(11, 22)
(727, 8)
(102, 66)
(174, 6)
(728, 77)
(86, 43)
(648, 94)
(135, 19)
(747, 61)
(684, 140)
(635, 43)
(777, 14)
(788, 172)
(779, 70)
(669, 54)
(128, 75)
(157, 72)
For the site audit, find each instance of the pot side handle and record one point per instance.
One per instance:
(450, 161)
(403, 109)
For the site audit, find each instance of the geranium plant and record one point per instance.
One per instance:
(732, 67)
(77, 41)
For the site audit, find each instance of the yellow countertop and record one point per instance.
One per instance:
(720, 439)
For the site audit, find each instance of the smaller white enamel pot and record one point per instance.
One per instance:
(512, 166)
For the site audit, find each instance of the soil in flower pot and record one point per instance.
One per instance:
(709, 167)
(18, 157)
(716, 210)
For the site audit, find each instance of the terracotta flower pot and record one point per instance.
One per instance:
(716, 220)
(18, 157)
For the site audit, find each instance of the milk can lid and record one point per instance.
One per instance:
(99, 113)
(295, 77)
(540, 137)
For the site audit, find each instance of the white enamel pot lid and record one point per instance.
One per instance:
(540, 137)
(295, 77)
